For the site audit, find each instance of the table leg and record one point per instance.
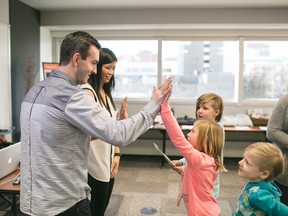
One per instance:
(6, 198)
(14, 205)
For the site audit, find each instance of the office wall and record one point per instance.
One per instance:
(179, 16)
(45, 48)
(5, 87)
(4, 11)
(25, 54)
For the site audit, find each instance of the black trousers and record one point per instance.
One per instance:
(100, 195)
(284, 190)
(81, 208)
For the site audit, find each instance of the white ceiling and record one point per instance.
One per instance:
(44, 5)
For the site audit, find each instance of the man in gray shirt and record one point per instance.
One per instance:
(57, 120)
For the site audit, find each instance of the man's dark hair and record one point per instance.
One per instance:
(80, 42)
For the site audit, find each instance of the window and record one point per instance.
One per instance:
(137, 67)
(196, 66)
(199, 67)
(265, 69)
(238, 69)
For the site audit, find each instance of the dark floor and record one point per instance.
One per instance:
(142, 186)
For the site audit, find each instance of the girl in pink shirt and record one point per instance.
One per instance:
(202, 151)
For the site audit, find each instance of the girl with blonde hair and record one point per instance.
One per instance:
(202, 151)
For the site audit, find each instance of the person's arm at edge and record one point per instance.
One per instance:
(275, 128)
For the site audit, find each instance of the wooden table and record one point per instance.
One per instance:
(246, 129)
(6, 187)
(234, 129)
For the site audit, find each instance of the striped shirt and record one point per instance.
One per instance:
(57, 119)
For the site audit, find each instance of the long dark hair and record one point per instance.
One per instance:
(106, 57)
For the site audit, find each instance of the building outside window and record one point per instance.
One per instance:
(265, 69)
(199, 67)
(137, 67)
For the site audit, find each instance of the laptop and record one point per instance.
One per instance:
(9, 159)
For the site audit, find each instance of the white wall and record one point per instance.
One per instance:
(4, 11)
(45, 48)
(178, 16)
(5, 83)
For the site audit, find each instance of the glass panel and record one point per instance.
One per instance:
(265, 69)
(136, 69)
(199, 67)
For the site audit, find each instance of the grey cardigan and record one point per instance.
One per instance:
(277, 132)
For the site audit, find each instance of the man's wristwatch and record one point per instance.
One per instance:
(117, 154)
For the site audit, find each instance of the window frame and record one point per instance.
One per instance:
(240, 34)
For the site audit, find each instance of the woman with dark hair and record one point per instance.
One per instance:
(103, 161)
